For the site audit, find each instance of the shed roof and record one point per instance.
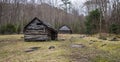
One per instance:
(64, 28)
(44, 23)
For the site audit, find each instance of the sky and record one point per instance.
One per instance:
(78, 1)
(77, 4)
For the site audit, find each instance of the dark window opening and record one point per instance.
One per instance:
(39, 23)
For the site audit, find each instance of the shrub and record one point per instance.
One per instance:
(92, 22)
(8, 29)
(114, 29)
(2, 29)
(18, 28)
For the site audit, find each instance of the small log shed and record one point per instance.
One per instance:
(65, 30)
(37, 30)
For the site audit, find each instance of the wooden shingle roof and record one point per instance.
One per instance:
(64, 27)
(44, 23)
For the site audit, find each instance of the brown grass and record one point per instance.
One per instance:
(12, 49)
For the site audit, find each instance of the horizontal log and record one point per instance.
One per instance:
(36, 37)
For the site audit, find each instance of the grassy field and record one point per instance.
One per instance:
(13, 47)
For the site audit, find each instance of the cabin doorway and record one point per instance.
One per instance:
(53, 35)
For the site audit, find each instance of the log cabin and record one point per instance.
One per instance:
(37, 30)
(65, 30)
